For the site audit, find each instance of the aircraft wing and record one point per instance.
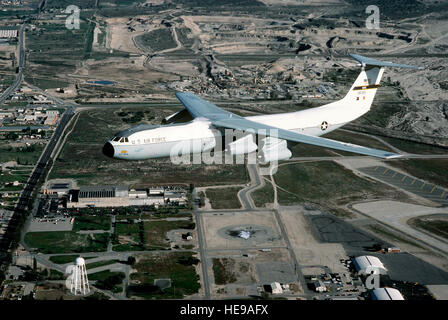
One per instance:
(224, 119)
(247, 125)
(373, 62)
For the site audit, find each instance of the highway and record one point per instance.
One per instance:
(24, 203)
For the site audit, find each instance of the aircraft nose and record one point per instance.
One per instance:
(108, 150)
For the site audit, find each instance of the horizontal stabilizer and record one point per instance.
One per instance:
(373, 62)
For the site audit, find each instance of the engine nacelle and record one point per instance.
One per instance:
(273, 150)
(243, 145)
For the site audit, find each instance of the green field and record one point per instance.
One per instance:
(378, 229)
(263, 195)
(183, 36)
(437, 225)
(66, 242)
(353, 137)
(148, 235)
(100, 264)
(102, 275)
(326, 182)
(128, 237)
(415, 147)
(225, 198)
(91, 223)
(25, 156)
(222, 271)
(155, 232)
(157, 40)
(63, 259)
(56, 50)
(62, 4)
(66, 258)
(177, 266)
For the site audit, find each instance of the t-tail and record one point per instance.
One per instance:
(364, 88)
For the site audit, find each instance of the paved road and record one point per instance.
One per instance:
(405, 156)
(256, 183)
(297, 266)
(203, 255)
(18, 81)
(418, 236)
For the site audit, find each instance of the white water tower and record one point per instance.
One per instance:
(79, 283)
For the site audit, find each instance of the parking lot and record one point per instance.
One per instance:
(330, 229)
(408, 183)
(50, 224)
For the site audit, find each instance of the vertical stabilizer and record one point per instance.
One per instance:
(363, 90)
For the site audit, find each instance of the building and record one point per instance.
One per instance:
(59, 188)
(30, 118)
(115, 196)
(156, 191)
(138, 194)
(175, 197)
(159, 200)
(369, 265)
(276, 288)
(386, 294)
(51, 120)
(8, 33)
(99, 196)
(318, 286)
(50, 112)
(103, 192)
(6, 115)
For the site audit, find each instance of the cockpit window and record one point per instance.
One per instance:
(116, 139)
(126, 140)
(122, 140)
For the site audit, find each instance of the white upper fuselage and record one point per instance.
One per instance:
(198, 135)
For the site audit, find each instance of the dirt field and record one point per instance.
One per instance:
(243, 274)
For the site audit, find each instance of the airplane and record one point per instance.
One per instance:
(204, 119)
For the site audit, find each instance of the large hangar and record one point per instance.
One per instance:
(369, 265)
(386, 294)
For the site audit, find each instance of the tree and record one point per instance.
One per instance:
(131, 260)
(11, 136)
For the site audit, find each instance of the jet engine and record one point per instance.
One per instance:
(243, 145)
(273, 149)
